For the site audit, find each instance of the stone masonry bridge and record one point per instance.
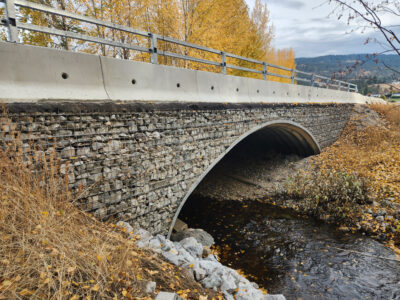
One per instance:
(139, 138)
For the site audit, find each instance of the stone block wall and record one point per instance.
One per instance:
(137, 161)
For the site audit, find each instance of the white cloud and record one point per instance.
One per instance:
(307, 27)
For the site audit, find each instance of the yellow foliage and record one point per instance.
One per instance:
(226, 25)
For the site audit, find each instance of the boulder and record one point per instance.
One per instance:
(191, 245)
(199, 273)
(178, 256)
(228, 282)
(155, 245)
(200, 235)
(210, 266)
(213, 281)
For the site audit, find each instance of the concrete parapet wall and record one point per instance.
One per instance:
(141, 160)
(31, 74)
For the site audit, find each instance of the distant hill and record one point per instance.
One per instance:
(331, 64)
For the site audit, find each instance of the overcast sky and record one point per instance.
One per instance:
(305, 26)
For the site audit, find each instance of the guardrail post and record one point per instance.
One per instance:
(265, 72)
(223, 62)
(11, 21)
(293, 74)
(312, 80)
(340, 86)
(348, 87)
(154, 55)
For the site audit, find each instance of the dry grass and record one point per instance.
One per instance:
(390, 111)
(51, 250)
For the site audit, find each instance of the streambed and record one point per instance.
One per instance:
(296, 256)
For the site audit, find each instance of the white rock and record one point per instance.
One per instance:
(274, 297)
(155, 245)
(172, 257)
(150, 287)
(143, 234)
(168, 246)
(129, 228)
(200, 235)
(193, 264)
(228, 296)
(209, 266)
(178, 256)
(211, 257)
(162, 239)
(213, 281)
(142, 243)
(167, 296)
(199, 273)
(185, 255)
(248, 292)
(211, 273)
(228, 282)
(238, 278)
(192, 246)
(144, 238)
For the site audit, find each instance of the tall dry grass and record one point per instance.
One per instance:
(390, 111)
(49, 249)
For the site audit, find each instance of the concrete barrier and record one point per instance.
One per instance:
(32, 74)
(132, 80)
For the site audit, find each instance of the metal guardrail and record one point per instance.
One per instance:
(13, 23)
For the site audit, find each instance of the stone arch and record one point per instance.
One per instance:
(289, 134)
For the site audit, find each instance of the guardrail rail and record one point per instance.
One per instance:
(13, 23)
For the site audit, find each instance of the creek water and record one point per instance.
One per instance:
(293, 255)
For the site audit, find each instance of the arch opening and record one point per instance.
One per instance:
(260, 147)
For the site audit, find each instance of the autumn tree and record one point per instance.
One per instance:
(260, 43)
(281, 57)
(226, 25)
(50, 20)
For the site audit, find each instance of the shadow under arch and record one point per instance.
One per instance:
(288, 134)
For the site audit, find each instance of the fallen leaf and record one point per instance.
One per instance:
(95, 288)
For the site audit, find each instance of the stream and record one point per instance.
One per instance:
(298, 257)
